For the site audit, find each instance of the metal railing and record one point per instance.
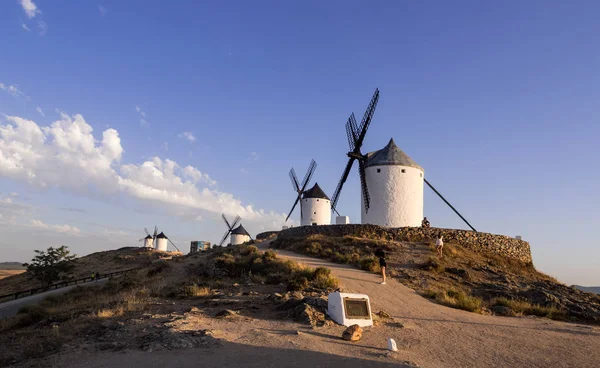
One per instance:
(60, 285)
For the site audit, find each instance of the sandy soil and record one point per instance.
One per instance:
(427, 334)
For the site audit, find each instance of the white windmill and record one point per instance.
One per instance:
(391, 182)
(315, 206)
(239, 235)
(158, 241)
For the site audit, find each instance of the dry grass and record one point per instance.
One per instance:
(194, 291)
(523, 307)
(455, 299)
(8, 273)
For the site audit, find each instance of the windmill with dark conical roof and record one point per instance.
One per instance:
(391, 182)
(315, 206)
(238, 235)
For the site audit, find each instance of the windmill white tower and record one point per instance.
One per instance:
(315, 206)
(391, 182)
(148, 241)
(161, 242)
(239, 235)
(395, 184)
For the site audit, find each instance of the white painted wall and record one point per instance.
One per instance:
(396, 196)
(148, 243)
(342, 220)
(239, 239)
(161, 244)
(316, 210)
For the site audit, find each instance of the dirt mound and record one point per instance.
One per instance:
(474, 281)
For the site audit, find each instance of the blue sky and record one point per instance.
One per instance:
(498, 103)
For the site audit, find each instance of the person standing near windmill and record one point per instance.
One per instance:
(382, 263)
(439, 244)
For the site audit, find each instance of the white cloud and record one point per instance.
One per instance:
(43, 27)
(187, 135)
(25, 27)
(243, 171)
(165, 146)
(254, 156)
(66, 155)
(143, 121)
(30, 8)
(103, 10)
(64, 229)
(12, 90)
(39, 109)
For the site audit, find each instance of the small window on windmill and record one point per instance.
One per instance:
(314, 213)
(421, 174)
(403, 171)
(317, 199)
(378, 170)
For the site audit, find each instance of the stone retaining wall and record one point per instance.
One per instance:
(266, 235)
(479, 242)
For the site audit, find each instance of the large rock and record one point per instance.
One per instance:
(352, 333)
(307, 314)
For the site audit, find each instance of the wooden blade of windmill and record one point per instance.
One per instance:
(338, 189)
(366, 121)
(354, 127)
(350, 135)
(173, 244)
(224, 237)
(294, 206)
(448, 203)
(146, 230)
(363, 185)
(226, 222)
(301, 214)
(294, 180)
(235, 222)
(311, 170)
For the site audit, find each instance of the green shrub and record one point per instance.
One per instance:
(369, 264)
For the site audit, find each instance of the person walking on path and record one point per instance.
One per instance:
(382, 264)
(93, 276)
(425, 223)
(97, 276)
(439, 245)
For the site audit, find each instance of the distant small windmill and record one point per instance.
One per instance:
(159, 241)
(239, 235)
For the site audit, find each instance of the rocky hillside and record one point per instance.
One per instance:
(102, 262)
(472, 280)
(161, 306)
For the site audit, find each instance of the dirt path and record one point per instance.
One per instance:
(428, 334)
(447, 337)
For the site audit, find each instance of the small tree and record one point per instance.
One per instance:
(47, 265)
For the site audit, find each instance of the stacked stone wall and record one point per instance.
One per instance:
(480, 242)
